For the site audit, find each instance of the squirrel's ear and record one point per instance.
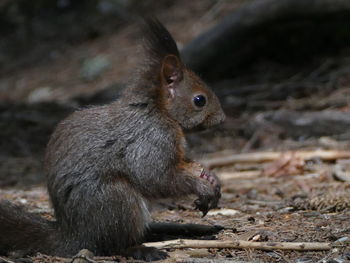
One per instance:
(171, 71)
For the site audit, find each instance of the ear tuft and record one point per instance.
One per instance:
(171, 70)
(158, 42)
(162, 65)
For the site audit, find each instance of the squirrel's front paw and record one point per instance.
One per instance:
(211, 178)
(207, 201)
(198, 170)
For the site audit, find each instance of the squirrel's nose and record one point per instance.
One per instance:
(216, 118)
(219, 117)
(222, 116)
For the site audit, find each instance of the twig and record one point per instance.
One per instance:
(251, 141)
(214, 260)
(260, 157)
(263, 203)
(212, 12)
(281, 256)
(324, 259)
(84, 256)
(236, 175)
(6, 260)
(189, 243)
(82, 259)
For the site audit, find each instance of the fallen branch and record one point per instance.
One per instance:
(239, 175)
(2, 259)
(189, 243)
(213, 260)
(260, 157)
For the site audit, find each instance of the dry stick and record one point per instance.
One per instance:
(212, 260)
(190, 243)
(6, 260)
(259, 157)
(237, 175)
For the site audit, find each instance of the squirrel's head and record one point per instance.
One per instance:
(185, 97)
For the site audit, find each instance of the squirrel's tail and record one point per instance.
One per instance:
(23, 233)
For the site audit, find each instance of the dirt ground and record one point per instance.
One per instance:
(289, 198)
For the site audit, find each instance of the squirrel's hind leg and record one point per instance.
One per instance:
(105, 218)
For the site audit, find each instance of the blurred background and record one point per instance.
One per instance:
(280, 67)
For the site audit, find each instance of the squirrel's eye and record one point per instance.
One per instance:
(199, 101)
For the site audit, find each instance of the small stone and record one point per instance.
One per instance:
(83, 256)
(40, 95)
(92, 68)
(224, 212)
(23, 201)
(304, 260)
(342, 240)
(256, 237)
(335, 260)
(287, 209)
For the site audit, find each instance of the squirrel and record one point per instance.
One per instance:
(104, 164)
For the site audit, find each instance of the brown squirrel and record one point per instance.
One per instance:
(105, 163)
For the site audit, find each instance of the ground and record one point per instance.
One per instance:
(287, 200)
